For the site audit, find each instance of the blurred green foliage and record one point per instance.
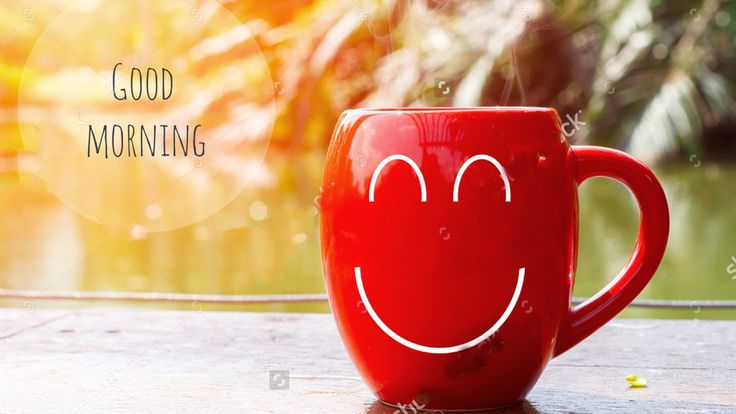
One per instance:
(656, 78)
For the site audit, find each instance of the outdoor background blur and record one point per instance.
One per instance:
(654, 78)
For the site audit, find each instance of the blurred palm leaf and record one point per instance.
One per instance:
(669, 121)
(651, 77)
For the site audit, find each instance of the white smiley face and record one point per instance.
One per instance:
(455, 198)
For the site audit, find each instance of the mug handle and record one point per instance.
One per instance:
(578, 323)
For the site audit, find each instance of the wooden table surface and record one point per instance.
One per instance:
(141, 361)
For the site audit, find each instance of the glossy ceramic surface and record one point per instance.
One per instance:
(449, 239)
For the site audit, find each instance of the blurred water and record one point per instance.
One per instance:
(266, 241)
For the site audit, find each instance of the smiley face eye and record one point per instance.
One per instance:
(397, 157)
(471, 160)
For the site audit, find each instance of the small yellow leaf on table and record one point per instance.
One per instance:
(636, 381)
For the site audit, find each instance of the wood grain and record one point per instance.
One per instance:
(134, 361)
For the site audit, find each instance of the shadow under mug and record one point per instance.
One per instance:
(449, 239)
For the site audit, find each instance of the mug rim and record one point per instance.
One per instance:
(452, 109)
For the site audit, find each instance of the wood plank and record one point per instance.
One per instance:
(16, 320)
(109, 360)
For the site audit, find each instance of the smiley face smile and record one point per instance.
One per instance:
(455, 198)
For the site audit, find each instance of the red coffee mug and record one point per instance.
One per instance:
(449, 240)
